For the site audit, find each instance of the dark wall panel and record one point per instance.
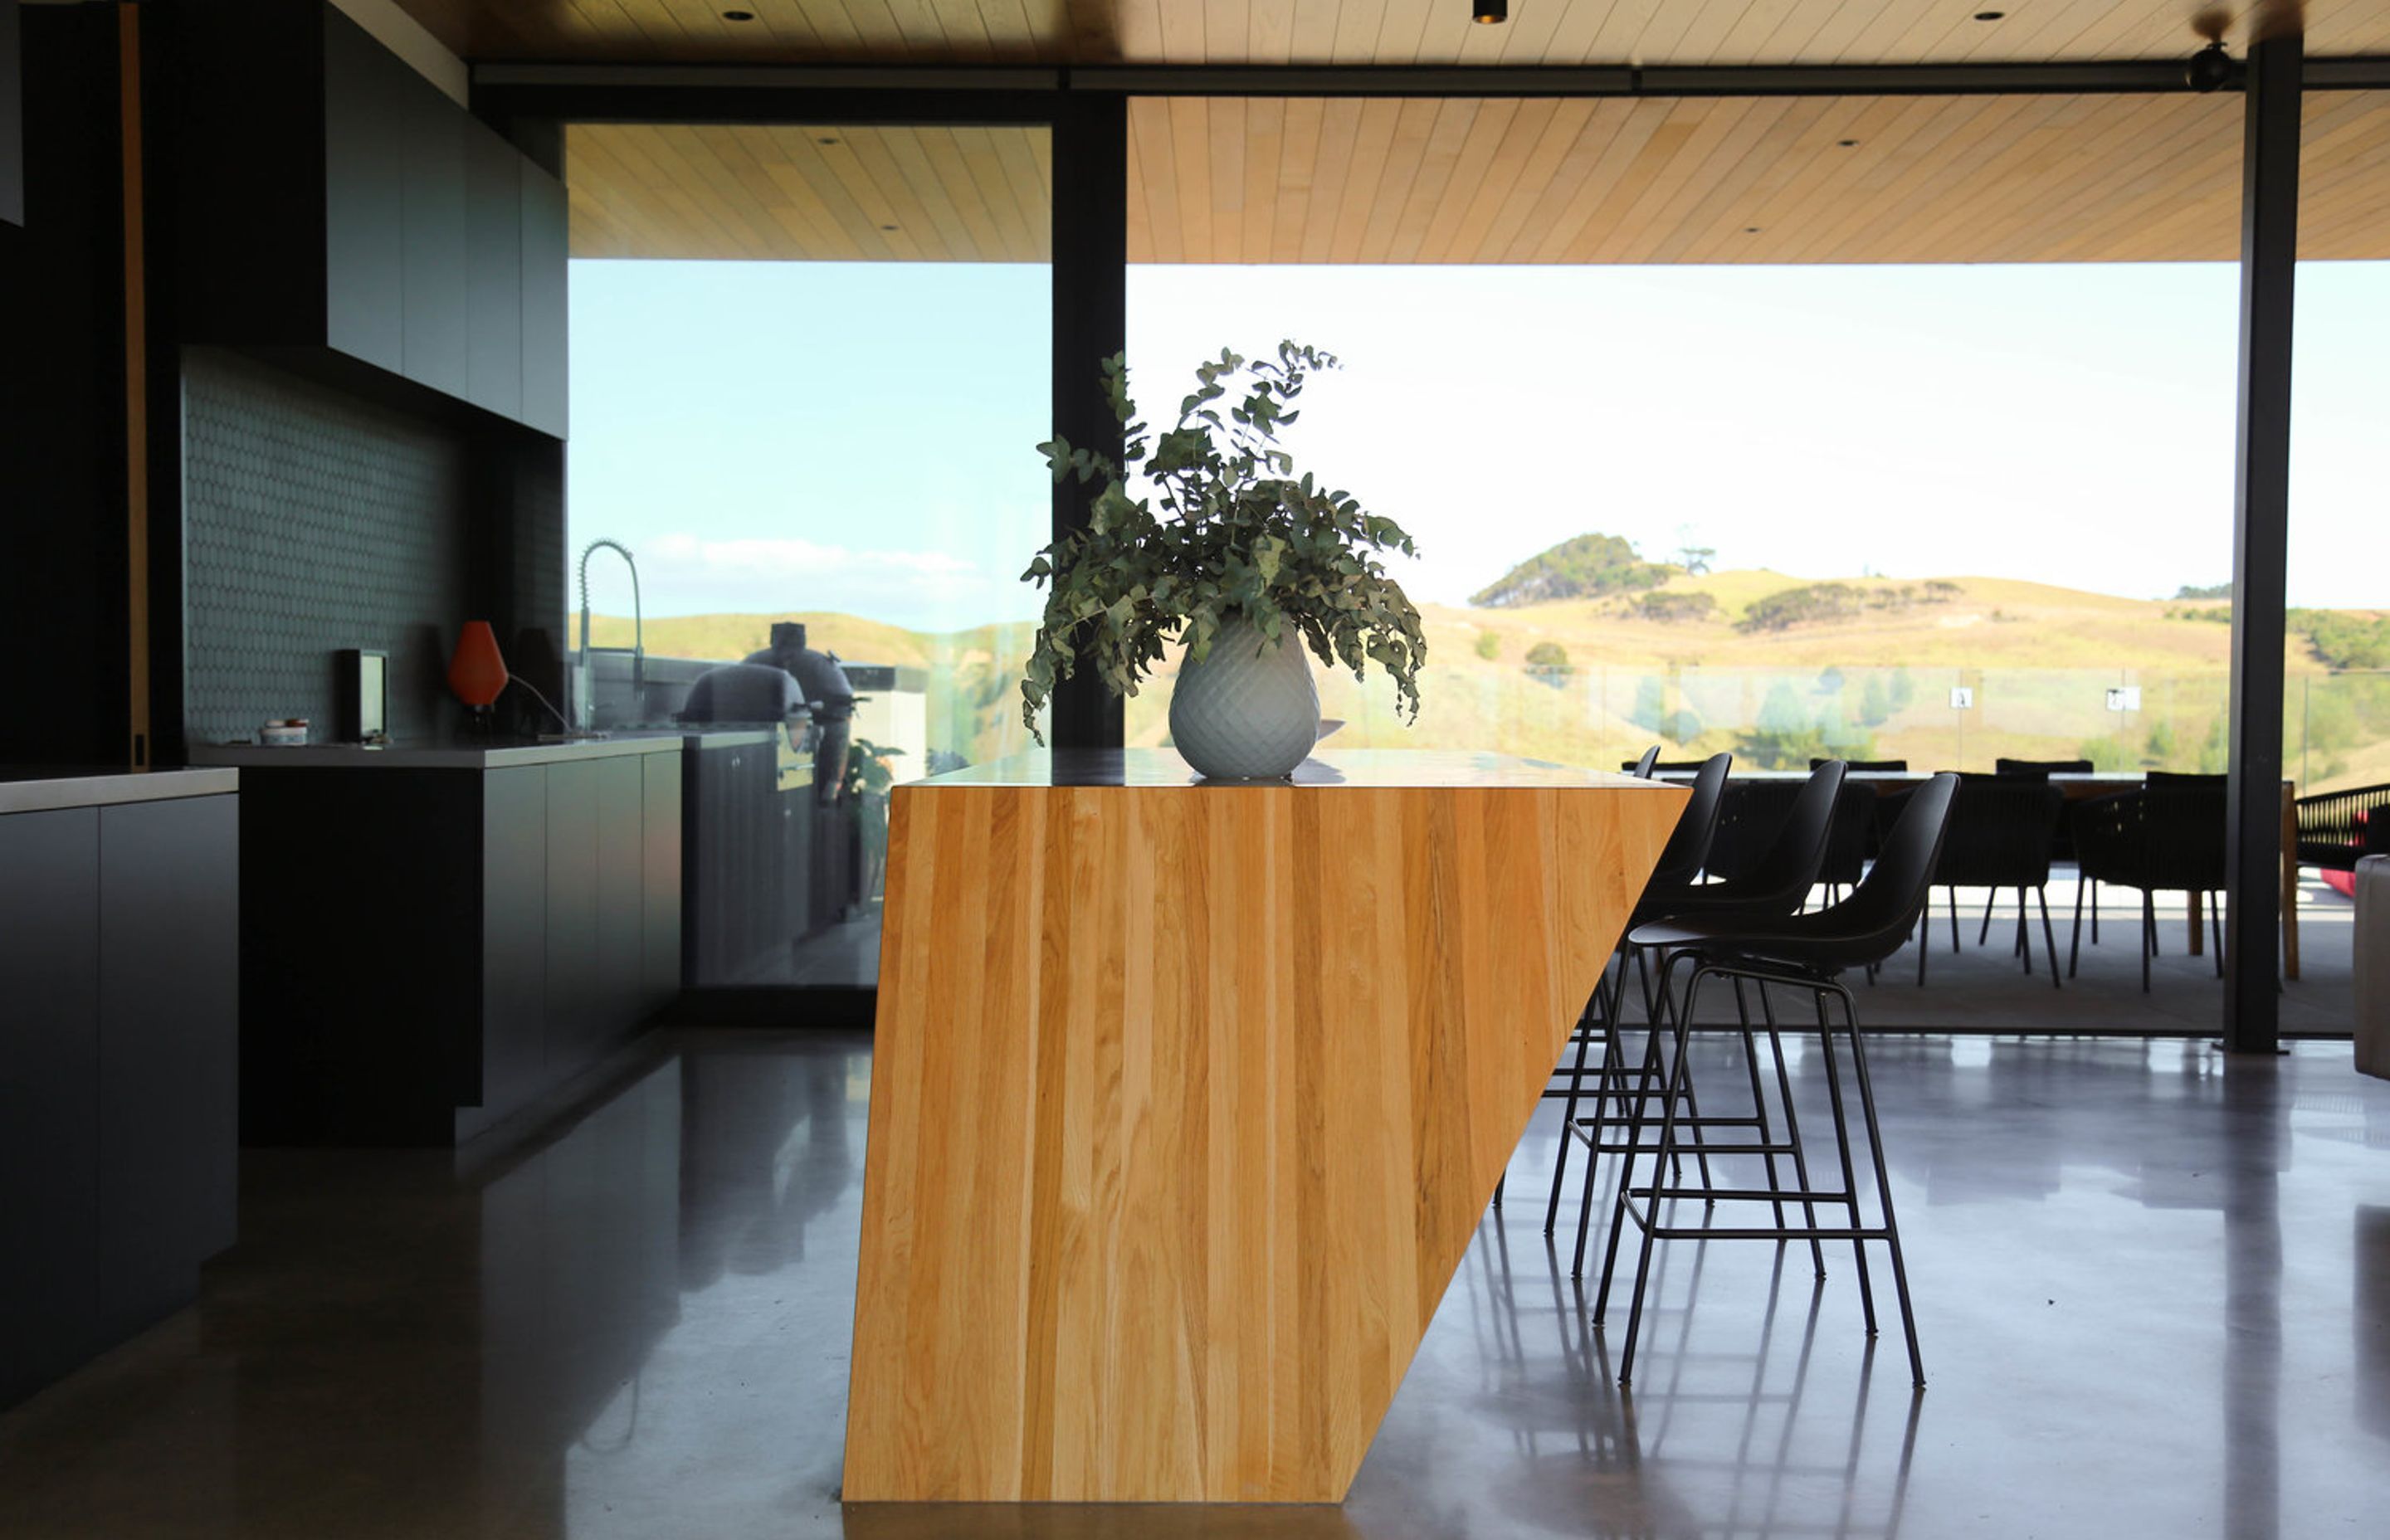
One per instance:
(62, 586)
(312, 522)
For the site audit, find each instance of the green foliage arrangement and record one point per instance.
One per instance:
(1585, 567)
(1489, 645)
(1238, 535)
(1548, 658)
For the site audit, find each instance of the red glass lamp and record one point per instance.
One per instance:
(477, 673)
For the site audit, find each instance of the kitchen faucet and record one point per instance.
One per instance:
(585, 705)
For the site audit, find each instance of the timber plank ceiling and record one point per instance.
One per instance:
(1649, 32)
(1887, 179)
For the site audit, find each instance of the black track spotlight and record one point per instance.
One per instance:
(1489, 13)
(2211, 68)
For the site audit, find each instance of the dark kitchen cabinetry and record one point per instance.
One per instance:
(118, 1071)
(436, 940)
(741, 911)
(366, 216)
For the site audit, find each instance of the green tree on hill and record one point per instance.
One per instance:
(1489, 645)
(1585, 566)
(1548, 663)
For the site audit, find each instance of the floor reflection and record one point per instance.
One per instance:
(2153, 1288)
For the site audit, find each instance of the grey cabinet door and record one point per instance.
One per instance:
(621, 899)
(169, 1049)
(661, 878)
(432, 262)
(544, 250)
(574, 999)
(514, 939)
(365, 200)
(494, 274)
(50, 1095)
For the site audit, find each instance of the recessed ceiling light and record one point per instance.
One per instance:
(826, 139)
(738, 15)
(1847, 143)
(1751, 229)
(1989, 16)
(888, 227)
(1486, 13)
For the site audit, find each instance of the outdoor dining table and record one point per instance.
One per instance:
(2079, 787)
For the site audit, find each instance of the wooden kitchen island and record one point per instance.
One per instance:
(1187, 1098)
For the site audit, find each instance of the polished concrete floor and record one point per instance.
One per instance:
(2153, 1288)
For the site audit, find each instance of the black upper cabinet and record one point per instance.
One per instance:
(378, 219)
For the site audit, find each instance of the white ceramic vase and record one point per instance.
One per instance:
(1249, 711)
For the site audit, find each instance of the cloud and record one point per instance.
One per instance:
(922, 589)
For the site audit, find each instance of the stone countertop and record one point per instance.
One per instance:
(464, 753)
(45, 787)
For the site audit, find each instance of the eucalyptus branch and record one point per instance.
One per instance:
(1243, 536)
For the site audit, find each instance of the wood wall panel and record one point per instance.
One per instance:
(1358, 31)
(1186, 1102)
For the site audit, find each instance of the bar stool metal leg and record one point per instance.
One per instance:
(1850, 1171)
(1882, 1179)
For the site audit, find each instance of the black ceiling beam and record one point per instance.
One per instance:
(1006, 93)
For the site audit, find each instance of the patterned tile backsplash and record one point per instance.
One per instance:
(313, 522)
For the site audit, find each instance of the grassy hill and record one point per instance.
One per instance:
(1868, 685)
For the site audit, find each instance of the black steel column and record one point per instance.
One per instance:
(2270, 218)
(1090, 325)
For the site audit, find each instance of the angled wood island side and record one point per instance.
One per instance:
(1187, 1098)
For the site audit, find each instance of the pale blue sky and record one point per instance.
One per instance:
(857, 436)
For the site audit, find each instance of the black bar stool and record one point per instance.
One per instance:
(1681, 862)
(1807, 952)
(1776, 887)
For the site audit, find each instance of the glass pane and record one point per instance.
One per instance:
(825, 470)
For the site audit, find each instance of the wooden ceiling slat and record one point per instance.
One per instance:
(1414, 128)
(1352, 180)
(1311, 37)
(1339, 131)
(1373, 145)
(1190, 148)
(1264, 153)
(1481, 135)
(1140, 223)
(1269, 32)
(1631, 125)
(1356, 31)
(1299, 166)
(1226, 141)
(1158, 163)
(1577, 165)
(1531, 188)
